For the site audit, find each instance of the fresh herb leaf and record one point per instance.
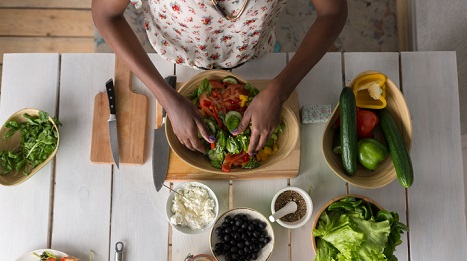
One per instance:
(39, 139)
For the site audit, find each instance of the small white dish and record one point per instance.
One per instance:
(305, 218)
(252, 214)
(186, 229)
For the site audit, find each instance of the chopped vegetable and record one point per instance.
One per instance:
(349, 230)
(370, 91)
(222, 104)
(39, 139)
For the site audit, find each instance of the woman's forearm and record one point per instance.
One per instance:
(316, 42)
(120, 37)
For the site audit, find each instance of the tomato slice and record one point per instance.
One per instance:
(215, 99)
(216, 84)
(232, 100)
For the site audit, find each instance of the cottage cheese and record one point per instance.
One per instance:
(194, 210)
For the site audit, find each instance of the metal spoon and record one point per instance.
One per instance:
(290, 207)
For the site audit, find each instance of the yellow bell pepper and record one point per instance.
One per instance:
(243, 100)
(370, 91)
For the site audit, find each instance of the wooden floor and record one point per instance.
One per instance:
(44, 26)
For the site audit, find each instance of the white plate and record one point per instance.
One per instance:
(31, 257)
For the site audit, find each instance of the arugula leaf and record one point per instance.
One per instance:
(251, 164)
(38, 140)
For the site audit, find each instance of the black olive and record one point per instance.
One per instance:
(227, 237)
(228, 258)
(267, 240)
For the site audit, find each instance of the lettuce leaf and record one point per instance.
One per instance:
(348, 230)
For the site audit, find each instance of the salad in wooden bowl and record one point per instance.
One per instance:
(222, 98)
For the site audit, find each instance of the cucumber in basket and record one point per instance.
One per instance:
(348, 131)
(399, 152)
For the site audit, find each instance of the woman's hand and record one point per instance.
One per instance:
(186, 122)
(264, 113)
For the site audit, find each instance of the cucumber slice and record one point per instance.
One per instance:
(230, 80)
(232, 119)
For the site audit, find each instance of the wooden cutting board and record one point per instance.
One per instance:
(287, 168)
(132, 121)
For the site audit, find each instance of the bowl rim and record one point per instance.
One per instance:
(217, 73)
(326, 205)
(18, 179)
(187, 230)
(309, 210)
(226, 213)
(408, 130)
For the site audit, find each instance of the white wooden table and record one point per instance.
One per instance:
(76, 206)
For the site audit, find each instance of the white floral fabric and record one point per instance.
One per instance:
(193, 33)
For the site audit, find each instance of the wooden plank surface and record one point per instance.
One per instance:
(47, 3)
(33, 22)
(391, 197)
(82, 205)
(257, 194)
(46, 45)
(321, 86)
(27, 227)
(141, 226)
(436, 199)
(182, 244)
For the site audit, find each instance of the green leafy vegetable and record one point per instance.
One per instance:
(348, 230)
(38, 141)
(46, 255)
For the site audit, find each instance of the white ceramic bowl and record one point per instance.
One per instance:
(186, 229)
(252, 214)
(309, 208)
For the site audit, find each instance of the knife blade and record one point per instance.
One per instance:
(160, 148)
(109, 86)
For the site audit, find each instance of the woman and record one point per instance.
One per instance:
(209, 34)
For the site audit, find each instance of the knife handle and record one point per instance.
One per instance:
(172, 82)
(109, 86)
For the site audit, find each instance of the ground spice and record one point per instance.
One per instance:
(287, 196)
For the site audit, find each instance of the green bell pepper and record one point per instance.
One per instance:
(371, 152)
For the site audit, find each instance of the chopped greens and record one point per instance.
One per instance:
(38, 141)
(349, 230)
(222, 104)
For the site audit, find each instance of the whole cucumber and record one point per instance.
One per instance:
(397, 148)
(348, 131)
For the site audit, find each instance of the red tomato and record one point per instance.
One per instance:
(214, 99)
(366, 123)
(216, 84)
(231, 99)
(235, 160)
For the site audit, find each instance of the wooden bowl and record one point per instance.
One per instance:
(11, 143)
(385, 173)
(286, 140)
(376, 208)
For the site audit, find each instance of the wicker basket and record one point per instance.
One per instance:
(286, 140)
(11, 143)
(385, 173)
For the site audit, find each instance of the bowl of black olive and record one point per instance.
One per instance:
(242, 234)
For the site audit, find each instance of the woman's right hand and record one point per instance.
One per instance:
(186, 122)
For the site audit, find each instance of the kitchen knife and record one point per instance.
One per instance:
(160, 148)
(112, 121)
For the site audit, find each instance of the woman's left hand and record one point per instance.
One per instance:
(264, 114)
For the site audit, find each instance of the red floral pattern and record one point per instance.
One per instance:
(193, 33)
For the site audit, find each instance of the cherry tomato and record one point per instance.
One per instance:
(366, 123)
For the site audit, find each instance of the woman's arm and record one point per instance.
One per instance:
(186, 120)
(264, 111)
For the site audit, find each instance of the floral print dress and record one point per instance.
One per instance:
(193, 33)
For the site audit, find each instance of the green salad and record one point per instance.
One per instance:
(222, 104)
(350, 229)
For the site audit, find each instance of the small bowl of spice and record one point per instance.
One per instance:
(297, 205)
